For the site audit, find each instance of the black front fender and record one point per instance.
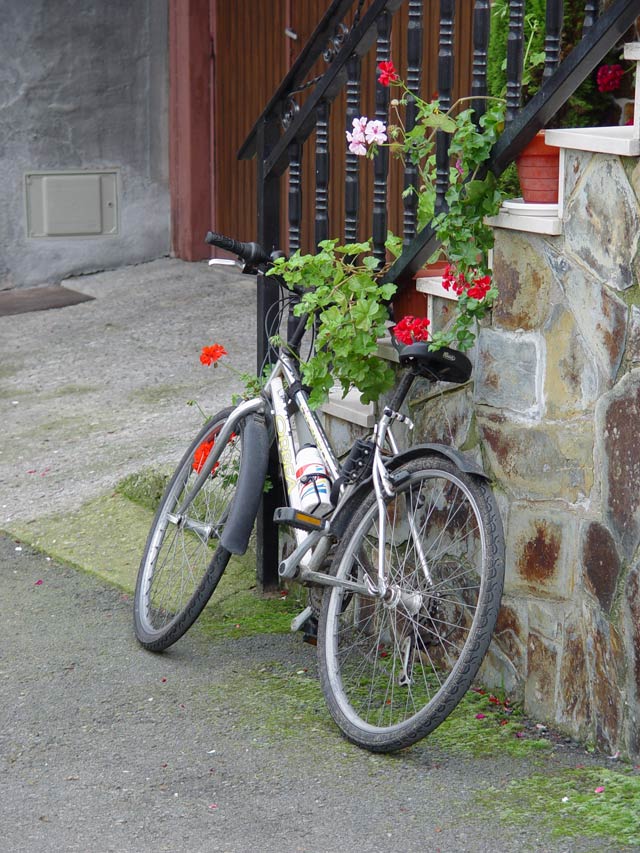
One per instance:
(461, 460)
(250, 486)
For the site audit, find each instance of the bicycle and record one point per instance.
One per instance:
(406, 549)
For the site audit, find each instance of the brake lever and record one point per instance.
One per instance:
(227, 262)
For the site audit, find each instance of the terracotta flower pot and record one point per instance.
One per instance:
(409, 300)
(539, 171)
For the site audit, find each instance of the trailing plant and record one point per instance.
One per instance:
(347, 295)
(347, 299)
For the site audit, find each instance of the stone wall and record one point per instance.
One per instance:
(556, 418)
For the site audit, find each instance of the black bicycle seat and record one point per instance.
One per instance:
(443, 365)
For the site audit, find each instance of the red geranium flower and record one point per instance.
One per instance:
(411, 329)
(201, 455)
(388, 73)
(480, 288)
(609, 77)
(211, 354)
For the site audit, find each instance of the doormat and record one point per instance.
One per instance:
(26, 299)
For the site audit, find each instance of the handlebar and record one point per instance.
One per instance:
(251, 253)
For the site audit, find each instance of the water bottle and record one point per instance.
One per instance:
(314, 486)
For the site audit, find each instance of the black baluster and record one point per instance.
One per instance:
(481, 25)
(553, 38)
(322, 171)
(514, 57)
(591, 10)
(445, 86)
(381, 162)
(414, 64)
(268, 186)
(295, 196)
(352, 165)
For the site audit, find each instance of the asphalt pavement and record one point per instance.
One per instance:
(105, 747)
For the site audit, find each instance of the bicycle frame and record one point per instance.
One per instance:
(311, 547)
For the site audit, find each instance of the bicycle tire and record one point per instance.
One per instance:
(180, 568)
(390, 676)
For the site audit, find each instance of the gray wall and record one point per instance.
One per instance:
(83, 85)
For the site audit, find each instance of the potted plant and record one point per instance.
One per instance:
(348, 294)
(538, 166)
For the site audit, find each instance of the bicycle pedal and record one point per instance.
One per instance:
(296, 518)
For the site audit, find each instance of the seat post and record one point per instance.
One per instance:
(402, 389)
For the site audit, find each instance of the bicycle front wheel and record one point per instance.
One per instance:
(183, 560)
(392, 670)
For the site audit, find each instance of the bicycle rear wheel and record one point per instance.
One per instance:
(183, 560)
(393, 670)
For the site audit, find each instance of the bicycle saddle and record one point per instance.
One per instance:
(443, 365)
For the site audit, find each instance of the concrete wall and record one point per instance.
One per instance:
(84, 86)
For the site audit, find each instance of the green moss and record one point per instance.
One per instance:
(567, 803)
(104, 537)
(282, 702)
(238, 609)
(500, 728)
(144, 487)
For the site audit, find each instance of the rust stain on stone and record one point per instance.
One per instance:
(538, 558)
(602, 564)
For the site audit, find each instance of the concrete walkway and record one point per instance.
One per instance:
(217, 745)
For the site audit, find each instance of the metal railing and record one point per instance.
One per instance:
(298, 116)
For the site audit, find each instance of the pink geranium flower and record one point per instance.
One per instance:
(375, 131)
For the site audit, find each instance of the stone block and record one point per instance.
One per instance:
(596, 239)
(575, 165)
(539, 462)
(633, 340)
(571, 378)
(511, 630)
(604, 659)
(631, 623)
(540, 686)
(509, 370)
(618, 460)
(442, 414)
(540, 551)
(601, 563)
(600, 315)
(574, 698)
(522, 280)
(632, 608)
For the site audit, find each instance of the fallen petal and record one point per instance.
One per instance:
(599, 789)
(480, 716)
(38, 583)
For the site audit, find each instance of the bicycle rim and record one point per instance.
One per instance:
(392, 671)
(183, 560)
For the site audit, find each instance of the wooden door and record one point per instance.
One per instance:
(250, 57)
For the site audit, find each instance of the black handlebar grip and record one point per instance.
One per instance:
(252, 253)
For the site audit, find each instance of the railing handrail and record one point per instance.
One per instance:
(534, 116)
(605, 33)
